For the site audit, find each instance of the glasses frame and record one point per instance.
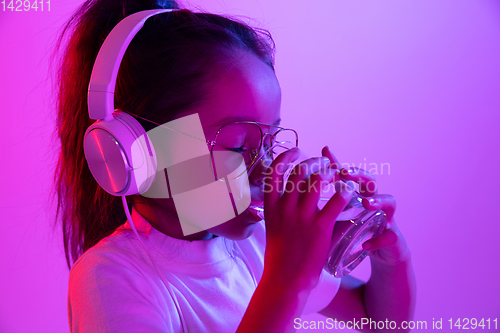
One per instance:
(257, 156)
(211, 143)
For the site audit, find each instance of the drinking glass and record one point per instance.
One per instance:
(354, 225)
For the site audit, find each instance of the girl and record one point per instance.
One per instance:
(244, 275)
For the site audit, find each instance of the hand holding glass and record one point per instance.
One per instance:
(256, 141)
(354, 225)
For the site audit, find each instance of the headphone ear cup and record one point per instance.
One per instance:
(120, 155)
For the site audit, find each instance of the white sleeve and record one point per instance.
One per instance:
(107, 295)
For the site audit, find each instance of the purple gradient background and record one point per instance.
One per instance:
(412, 83)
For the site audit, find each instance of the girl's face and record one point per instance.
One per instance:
(248, 90)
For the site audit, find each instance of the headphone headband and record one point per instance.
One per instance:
(105, 71)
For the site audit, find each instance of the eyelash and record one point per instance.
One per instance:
(238, 150)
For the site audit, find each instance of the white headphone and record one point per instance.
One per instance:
(118, 151)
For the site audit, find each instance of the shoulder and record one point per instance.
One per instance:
(114, 255)
(105, 271)
(110, 289)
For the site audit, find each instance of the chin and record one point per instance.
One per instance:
(238, 228)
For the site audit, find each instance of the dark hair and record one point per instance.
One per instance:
(164, 72)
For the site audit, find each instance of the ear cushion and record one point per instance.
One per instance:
(120, 155)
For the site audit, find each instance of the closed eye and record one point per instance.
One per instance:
(238, 150)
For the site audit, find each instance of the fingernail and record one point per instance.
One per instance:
(350, 183)
(372, 201)
(340, 186)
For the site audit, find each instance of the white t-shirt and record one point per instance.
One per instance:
(114, 287)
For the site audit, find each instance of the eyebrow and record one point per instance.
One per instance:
(231, 119)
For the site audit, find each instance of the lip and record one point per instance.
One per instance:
(256, 211)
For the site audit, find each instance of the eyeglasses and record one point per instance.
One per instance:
(251, 143)
(238, 146)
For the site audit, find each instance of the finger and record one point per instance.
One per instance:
(365, 179)
(309, 201)
(297, 182)
(316, 184)
(273, 181)
(384, 202)
(334, 162)
(337, 203)
(391, 224)
(387, 238)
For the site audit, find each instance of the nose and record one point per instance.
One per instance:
(267, 140)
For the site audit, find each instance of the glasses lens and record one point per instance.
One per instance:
(284, 140)
(235, 148)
